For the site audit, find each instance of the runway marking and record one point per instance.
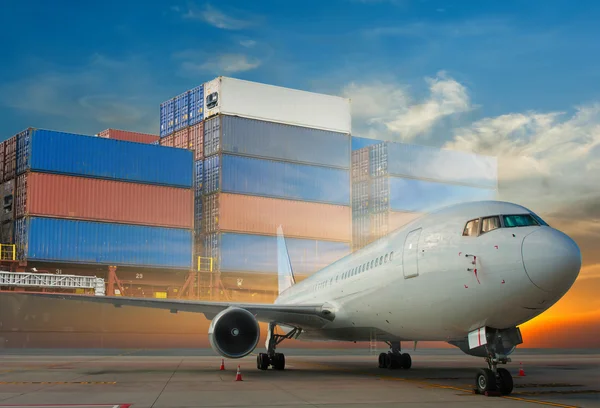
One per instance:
(57, 382)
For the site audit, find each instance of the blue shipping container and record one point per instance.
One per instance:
(258, 253)
(268, 178)
(79, 155)
(167, 117)
(212, 174)
(400, 159)
(73, 241)
(196, 105)
(251, 137)
(424, 196)
(362, 142)
(182, 111)
(198, 177)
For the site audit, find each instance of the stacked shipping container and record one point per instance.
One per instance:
(284, 161)
(394, 183)
(82, 199)
(128, 136)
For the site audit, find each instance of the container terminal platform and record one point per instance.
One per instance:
(313, 378)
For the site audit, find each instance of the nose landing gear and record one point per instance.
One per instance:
(394, 359)
(493, 379)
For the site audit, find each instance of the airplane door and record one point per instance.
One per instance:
(410, 264)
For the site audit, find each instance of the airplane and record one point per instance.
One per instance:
(467, 274)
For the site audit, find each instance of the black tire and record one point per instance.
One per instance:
(381, 360)
(405, 361)
(279, 361)
(504, 381)
(485, 380)
(389, 361)
(263, 361)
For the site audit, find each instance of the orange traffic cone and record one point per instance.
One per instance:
(222, 364)
(521, 371)
(238, 376)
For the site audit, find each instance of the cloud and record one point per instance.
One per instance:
(389, 108)
(216, 18)
(224, 63)
(101, 93)
(590, 272)
(248, 43)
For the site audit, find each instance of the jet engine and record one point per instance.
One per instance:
(234, 333)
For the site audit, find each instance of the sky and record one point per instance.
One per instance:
(513, 79)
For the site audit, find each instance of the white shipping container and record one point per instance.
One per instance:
(254, 100)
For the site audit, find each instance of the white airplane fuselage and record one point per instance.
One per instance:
(435, 284)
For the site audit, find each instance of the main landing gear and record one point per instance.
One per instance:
(271, 358)
(493, 380)
(394, 359)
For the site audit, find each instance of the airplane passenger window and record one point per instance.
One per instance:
(372, 264)
(490, 223)
(376, 261)
(471, 229)
(386, 258)
(381, 260)
(391, 255)
(519, 220)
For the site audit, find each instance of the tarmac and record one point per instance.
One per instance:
(312, 378)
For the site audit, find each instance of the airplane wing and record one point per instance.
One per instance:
(301, 316)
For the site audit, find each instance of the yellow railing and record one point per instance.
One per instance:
(8, 252)
(205, 264)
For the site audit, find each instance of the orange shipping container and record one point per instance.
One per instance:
(262, 215)
(128, 136)
(181, 139)
(167, 140)
(84, 198)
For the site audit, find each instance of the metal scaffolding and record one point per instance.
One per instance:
(49, 280)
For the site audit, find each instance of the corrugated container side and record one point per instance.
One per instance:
(211, 213)
(108, 159)
(360, 198)
(262, 215)
(258, 253)
(10, 158)
(281, 141)
(59, 196)
(2, 147)
(380, 195)
(442, 165)
(168, 141)
(170, 116)
(212, 174)
(7, 195)
(198, 216)
(181, 139)
(378, 160)
(399, 219)
(163, 118)
(424, 196)
(361, 232)
(73, 241)
(277, 104)
(182, 111)
(212, 136)
(197, 140)
(198, 178)
(360, 165)
(196, 105)
(128, 136)
(362, 142)
(277, 179)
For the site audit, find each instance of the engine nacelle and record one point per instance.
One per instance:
(234, 333)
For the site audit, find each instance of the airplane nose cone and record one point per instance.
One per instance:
(551, 259)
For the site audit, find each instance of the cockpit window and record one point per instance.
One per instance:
(519, 220)
(471, 229)
(489, 224)
(538, 219)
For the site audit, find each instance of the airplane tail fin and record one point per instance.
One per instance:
(284, 266)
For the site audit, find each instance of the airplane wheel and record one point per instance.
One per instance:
(505, 381)
(279, 361)
(391, 361)
(405, 361)
(485, 380)
(382, 360)
(262, 361)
